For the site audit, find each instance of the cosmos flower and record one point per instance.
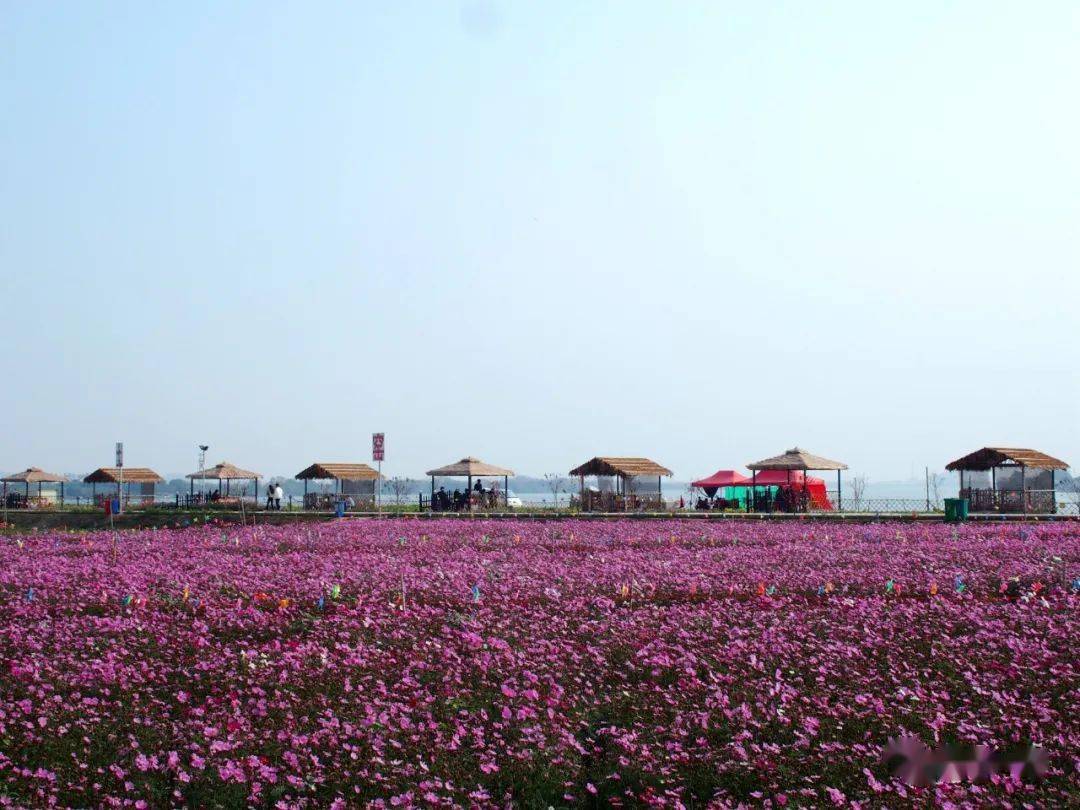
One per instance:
(634, 663)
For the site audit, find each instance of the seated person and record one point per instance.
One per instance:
(783, 500)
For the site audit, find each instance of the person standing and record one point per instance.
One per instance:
(279, 493)
(269, 495)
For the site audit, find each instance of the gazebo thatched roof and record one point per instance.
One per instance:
(990, 457)
(33, 475)
(339, 472)
(797, 459)
(223, 472)
(623, 466)
(132, 475)
(469, 466)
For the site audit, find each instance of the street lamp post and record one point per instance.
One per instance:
(202, 463)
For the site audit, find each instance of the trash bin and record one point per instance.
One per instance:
(339, 509)
(956, 509)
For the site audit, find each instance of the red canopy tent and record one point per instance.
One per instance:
(720, 479)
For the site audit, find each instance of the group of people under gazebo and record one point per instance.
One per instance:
(348, 486)
(619, 484)
(475, 495)
(223, 475)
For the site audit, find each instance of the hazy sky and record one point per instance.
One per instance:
(538, 232)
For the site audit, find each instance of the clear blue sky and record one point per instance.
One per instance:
(538, 232)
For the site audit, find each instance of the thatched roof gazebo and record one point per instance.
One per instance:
(797, 459)
(34, 475)
(349, 479)
(228, 473)
(471, 468)
(146, 478)
(1033, 491)
(623, 469)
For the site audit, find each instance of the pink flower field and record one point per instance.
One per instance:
(533, 664)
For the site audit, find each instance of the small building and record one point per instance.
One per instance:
(28, 477)
(474, 497)
(795, 490)
(225, 473)
(1008, 479)
(143, 479)
(622, 484)
(355, 482)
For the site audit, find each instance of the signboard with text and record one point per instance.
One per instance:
(378, 446)
(119, 454)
